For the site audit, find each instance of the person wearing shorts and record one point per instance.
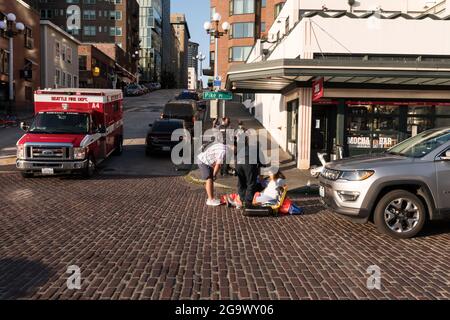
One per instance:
(210, 163)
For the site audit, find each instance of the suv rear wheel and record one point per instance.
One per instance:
(400, 214)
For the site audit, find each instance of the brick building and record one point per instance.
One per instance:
(90, 58)
(250, 20)
(102, 21)
(26, 57)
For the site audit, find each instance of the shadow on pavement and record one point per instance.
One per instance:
(20, 278)
(435, 228)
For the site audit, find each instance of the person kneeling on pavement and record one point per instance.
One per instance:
(210, 163)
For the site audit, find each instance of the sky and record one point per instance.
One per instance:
(197, 12)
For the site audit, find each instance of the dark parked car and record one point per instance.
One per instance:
(188, 95)
(186, 110)
(159, 137)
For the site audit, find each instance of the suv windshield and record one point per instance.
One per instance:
(54, 123)
(422, 144)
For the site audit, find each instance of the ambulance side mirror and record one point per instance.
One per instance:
(101, 130)
(24, 126)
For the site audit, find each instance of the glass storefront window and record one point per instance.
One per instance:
(375, 127)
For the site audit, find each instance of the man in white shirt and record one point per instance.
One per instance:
(210, 162)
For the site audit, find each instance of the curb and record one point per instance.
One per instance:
(191, 179)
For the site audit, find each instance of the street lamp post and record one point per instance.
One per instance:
(201, 57)
(212, 28)
(11, 29)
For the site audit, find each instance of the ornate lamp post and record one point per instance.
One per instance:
(11, 29)
(212, 28)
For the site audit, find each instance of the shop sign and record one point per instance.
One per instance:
(359, 142)
(318, 90)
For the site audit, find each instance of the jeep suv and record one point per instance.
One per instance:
(399, 190)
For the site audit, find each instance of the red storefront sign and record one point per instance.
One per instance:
(318, 90)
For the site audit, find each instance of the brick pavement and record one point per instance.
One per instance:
(153, 238)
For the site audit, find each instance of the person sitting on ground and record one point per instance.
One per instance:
(271, 193)
(210, 163)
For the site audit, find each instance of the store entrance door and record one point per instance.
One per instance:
(323, 132)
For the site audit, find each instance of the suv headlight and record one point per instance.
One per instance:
(359, 175)
(21, 152)
(79, 153)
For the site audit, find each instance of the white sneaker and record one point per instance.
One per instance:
(213, 203)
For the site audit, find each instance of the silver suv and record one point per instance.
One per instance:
(399, 190)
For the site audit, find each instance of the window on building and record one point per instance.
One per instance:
(115, 31)
(89, 15)
(242, 30)
(278, 8)
(83, 63)
(263, 27)
(57, 50)
(63, 51)
(4, 58)
(57, 77)
(263, 3)
(90, 30)
(237, 54)
(69, 55)
(242, 7)
(28, 36)
(116, 15)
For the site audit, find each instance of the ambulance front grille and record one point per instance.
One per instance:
(48, 152)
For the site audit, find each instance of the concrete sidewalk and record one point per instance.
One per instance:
(299, 181)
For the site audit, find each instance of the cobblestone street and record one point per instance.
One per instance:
(153, 238)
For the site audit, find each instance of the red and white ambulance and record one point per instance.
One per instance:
(72, 132)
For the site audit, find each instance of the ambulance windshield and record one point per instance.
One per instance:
(60, 123)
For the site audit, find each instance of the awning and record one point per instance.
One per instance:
(124, 72)
(279, 76)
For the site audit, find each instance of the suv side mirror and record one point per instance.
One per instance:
(446, 156)
(24, 126)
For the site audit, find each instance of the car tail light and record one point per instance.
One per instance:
(193, 119)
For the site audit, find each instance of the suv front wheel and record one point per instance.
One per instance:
(400, 214)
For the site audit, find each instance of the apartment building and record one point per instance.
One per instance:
(181, 32)
(100, 21)
(59, 57)
(192, 55)
(26, 64)
(250, 20)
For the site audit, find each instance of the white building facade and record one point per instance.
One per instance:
(59, 57)
(192, 79)
(381, 69)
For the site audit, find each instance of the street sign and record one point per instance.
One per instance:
(212, 95)
(217, 83)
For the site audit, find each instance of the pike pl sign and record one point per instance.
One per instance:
(211, 95)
